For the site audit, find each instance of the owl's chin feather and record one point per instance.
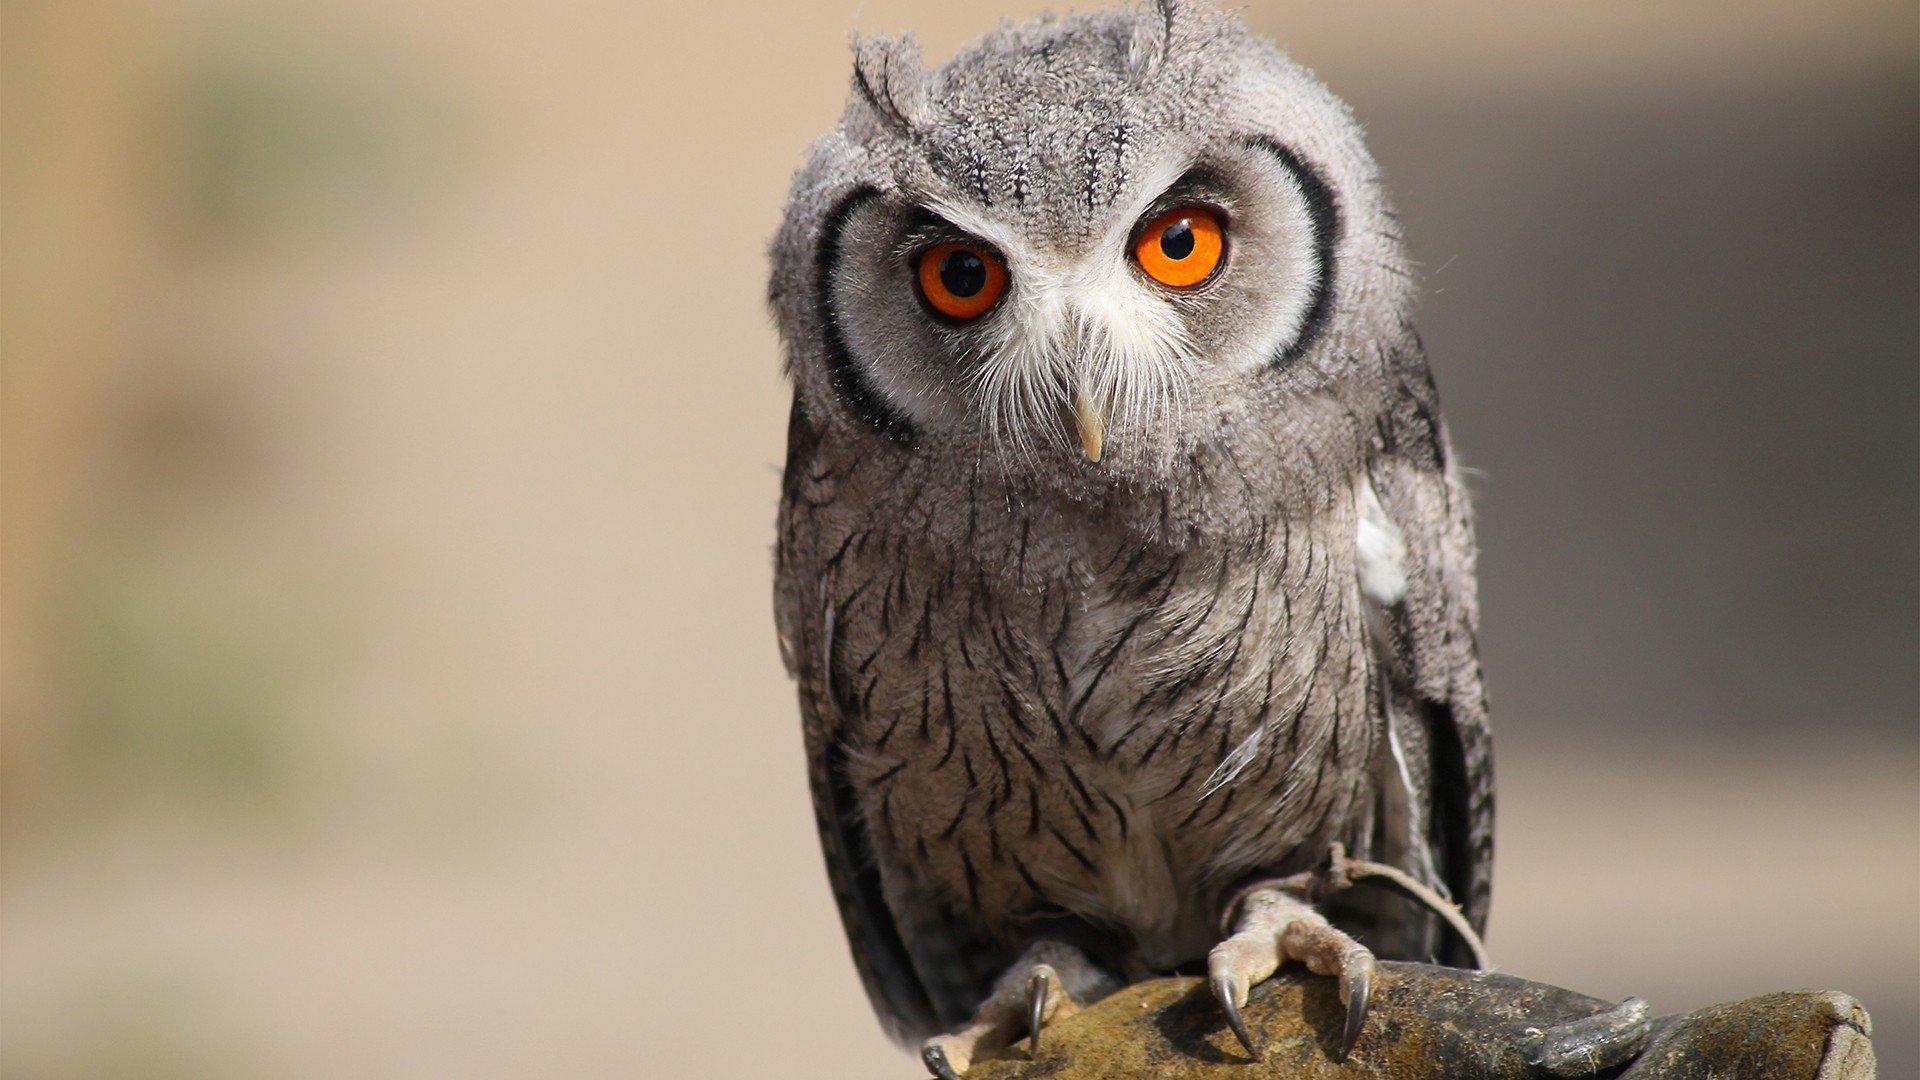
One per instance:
(1084, 441)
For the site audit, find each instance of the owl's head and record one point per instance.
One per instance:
(1083, 247)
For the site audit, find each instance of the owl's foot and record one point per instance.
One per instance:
(1048, 983)
(998, 1023)
(1273, 926)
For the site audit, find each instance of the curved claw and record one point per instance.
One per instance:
(1359, 980)
(935, 1059)
(1039, 984)
(1225, 992)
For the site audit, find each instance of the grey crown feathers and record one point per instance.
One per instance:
(1117, 600)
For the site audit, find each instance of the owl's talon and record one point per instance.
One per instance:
(1048, 1001)
(1358, 981)
(1038, 984)
(934, 1055)
(1227, 993)
(1031, 994)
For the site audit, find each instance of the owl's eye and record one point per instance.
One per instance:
(1181, 247)
(960, 281)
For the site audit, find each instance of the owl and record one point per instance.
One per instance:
(1123, 565)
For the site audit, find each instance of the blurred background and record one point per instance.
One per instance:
(390, 442)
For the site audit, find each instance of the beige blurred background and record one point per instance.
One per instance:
(390, 439)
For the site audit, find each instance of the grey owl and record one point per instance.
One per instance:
(1123, 565)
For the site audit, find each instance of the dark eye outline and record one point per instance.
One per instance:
(1155, 216)
(994, 289)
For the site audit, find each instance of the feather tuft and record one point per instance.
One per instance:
(888, 75)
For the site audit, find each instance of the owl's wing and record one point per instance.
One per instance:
(805, 622)
(1426, 626)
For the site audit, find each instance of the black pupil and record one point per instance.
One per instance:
(963, 273)
(1177, 242)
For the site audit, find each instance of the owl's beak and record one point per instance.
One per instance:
(1092, 421)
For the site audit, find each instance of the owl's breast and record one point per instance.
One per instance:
(1117, 734)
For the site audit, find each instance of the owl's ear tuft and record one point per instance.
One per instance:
(1152, 30)
(888, 76)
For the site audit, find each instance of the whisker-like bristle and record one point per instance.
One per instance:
(1128, 357)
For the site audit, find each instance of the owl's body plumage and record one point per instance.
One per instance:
(1084, 691)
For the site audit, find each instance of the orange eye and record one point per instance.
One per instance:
(960, 280)
(1181, 247)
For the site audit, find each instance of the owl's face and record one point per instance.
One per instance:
(1081, 247)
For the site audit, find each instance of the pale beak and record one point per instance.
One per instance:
(1092, 421)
